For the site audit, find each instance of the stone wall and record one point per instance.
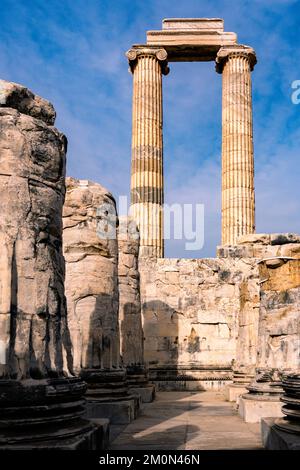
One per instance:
(201, 316)
(279, 327)
(191, 314)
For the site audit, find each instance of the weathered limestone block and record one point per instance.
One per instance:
(279, 326)
(191, 313)
(203, 315)
(129, 291)
(91, 275)
(247, 337)
(262, 245)
(13, 95)
(91, 253)
(41, 402)
(276, 250)
(32, 167)
(130, 315)
(279, 332)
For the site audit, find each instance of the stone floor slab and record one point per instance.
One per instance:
(191, 421)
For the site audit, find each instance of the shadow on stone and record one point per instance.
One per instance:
(107, 393)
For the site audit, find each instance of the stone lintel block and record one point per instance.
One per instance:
(276, 439)
(117, 412)
(252, 411)
(191, 39)
(215, 24)
(191, 44)
(234, 391)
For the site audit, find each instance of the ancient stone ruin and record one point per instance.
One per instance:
(41, 399)
(91, 253)
(93, 318)
(132, 335)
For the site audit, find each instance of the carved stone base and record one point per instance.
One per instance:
(241, 380)
(118, 412)
(147, 393)
(263, 397)
(108, 396)
(291, 403)
(234, 391)
(47, 414)
(285, 433)
(274, 438)
(138, 383)
(253, 409)
(137, 376)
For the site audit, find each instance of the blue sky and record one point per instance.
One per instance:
(72, 52)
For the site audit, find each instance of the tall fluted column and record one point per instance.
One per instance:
(238, 199)
(147, 65)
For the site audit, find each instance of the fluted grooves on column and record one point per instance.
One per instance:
(238, 200)
(147, 148)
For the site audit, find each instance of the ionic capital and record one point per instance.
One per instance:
(237, 50)
(137, 52)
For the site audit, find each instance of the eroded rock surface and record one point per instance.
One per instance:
(32, 302)
(91, 254)
(129, 294)
(13, 95)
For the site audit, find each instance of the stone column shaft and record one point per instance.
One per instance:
(238, 200)
(41, 400)
(147, 65)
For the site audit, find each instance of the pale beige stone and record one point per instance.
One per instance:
(132, 336)
(13, 95)
(191, 39)
(33, 331)
(147, 64)
(215, 24)
(194, 316)
(279, 323)
(238, 201)
(91, 254)
(252, 411)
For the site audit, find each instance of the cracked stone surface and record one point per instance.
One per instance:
(194, 310)
(34, 336)
(91, 256)
(279, 322)
(13, 95)
(187, 421)
(237, 311)
(130, 318)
